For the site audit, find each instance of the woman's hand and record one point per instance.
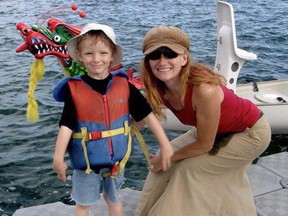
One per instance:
(155, 163)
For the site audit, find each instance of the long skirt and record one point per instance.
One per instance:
(207, 185)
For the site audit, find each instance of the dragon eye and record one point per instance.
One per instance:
(57, 38)
(25, 31)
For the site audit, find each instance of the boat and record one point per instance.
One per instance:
(270, 96)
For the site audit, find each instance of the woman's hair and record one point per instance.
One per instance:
(190, 74)
(96, 36)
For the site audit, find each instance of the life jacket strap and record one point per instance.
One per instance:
(84, 134)
(102, 134)
(119, 166)
(142, 143)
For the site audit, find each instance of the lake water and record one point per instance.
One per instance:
(26, 149)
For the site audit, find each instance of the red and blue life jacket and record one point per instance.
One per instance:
(102, 134)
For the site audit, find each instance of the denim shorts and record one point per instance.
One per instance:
(86, 188)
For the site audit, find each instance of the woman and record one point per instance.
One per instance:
(208, 175)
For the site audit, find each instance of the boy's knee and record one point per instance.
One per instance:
(109, 203)
(82, 206)
(81, 210)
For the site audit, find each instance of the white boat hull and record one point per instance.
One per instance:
(266, 99)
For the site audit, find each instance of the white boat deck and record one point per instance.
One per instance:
(269, 179)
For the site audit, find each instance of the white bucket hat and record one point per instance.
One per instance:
(72, 43)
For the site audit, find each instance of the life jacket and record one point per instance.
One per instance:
(102, 135)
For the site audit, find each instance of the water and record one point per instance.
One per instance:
(26, 174)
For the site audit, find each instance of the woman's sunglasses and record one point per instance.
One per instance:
(167, 53)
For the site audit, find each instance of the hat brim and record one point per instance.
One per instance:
(175, 47)
(72, 49)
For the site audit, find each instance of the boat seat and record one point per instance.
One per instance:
(229, 58)
(271, 98)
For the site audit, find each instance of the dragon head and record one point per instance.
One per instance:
(51, 40)
(42, 41)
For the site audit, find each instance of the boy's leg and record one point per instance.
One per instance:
(111, 194)
(81, 210)
(114, 209)
(85, 191)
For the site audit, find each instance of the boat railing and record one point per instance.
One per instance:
(229, 58)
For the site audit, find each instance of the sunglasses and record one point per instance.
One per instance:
(167, 53)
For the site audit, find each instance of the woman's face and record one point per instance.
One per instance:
(166, 64)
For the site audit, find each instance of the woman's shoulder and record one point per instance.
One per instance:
(207, 91)
(206, 87)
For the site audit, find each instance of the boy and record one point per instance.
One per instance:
(98, 103)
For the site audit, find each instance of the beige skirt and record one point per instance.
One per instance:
(212, 185)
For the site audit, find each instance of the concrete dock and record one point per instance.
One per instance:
(129, 198)
(269, 179)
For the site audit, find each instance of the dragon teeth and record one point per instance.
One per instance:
(43, 48)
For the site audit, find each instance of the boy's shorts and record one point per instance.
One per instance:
(86, 187)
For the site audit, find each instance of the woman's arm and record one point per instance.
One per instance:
(206, 99)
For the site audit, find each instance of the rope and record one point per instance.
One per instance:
(36, 73)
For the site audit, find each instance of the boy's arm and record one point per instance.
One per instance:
(166, 150)
(62, 141)
(138, 124)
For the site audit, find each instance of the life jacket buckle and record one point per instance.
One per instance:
(114, 169)
(94, 135)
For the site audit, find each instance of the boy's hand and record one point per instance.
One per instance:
(165, 157)
(161, 161)
(60, 168)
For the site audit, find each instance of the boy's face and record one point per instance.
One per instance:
(96, 58)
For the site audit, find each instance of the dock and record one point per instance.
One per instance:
(269, 179)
